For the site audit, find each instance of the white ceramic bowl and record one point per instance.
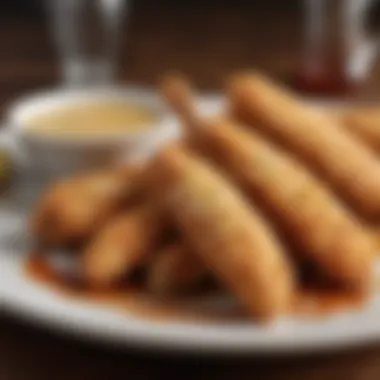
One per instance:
(58, 154)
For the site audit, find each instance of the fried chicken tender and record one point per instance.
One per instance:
(338, 157)
(318, 225)
(75, 208)
(228, 234)
(175, 270)
(363, 123)
(122, 244)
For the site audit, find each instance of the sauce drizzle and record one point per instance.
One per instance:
(136, 301)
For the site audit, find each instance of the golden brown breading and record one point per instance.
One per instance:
(230, 236)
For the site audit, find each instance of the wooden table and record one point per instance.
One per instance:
(206, 42)
(28, 353)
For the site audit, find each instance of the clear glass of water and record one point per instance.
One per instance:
(87, 34)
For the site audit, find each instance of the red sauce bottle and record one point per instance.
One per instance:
(327, 75)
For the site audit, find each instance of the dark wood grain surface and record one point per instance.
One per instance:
(28, 353)
(206, 42)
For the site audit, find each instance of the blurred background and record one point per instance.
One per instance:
(302, 42)
(205, 40)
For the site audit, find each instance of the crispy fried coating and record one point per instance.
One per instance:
(124, 243)
(342, 160)
(75, 208)
(175, 270)
(230, 236)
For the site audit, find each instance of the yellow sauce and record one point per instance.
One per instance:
(90, 118)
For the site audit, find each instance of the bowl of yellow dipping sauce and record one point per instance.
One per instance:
(95, 119)
(67, 131)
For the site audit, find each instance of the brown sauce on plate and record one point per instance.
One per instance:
(136, 301)
(133, 300)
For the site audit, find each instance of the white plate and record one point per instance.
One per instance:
(32, 300)
(289, 335)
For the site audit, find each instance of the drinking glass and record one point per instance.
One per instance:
(338, 52)
(87, 34)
